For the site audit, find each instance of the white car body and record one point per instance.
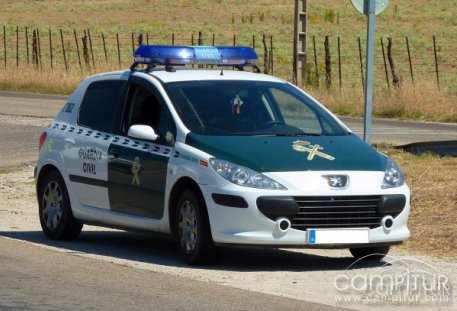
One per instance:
(82, 156)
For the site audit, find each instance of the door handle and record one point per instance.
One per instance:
(69, 140)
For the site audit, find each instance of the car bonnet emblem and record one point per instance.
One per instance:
(337, 181)
(313, 150)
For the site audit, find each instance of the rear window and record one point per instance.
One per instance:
(98, 109)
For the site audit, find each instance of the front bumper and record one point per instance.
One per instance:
(249, 226)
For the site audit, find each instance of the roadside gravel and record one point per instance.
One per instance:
(300, 274)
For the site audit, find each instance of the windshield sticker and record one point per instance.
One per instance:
(305, 146)
(136, 168)
(237, 103)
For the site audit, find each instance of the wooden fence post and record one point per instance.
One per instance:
(192, 39)
(316, 68)
(361, 65)
(33, 47)
(91, 49)
(140, 39)
(339, 64)
(409, 59)
(395, 78)
(200, 38)
(234, 39)
(4, 44)
(436, 62)
(147, 38)
(86, 50)
(104, 48)
(118, 50)
(77, 48)
(214, 39)
(271, 55)
(50, 49)
(27, 44)
(173, 39)
(253, 42)
(17, 46)
(63, 50)
(266, 66)
(328, 63)
(133, 43)
(39, 46)
(385, 64)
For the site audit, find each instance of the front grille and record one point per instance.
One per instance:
(337, 212)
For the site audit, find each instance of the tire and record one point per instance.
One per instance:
(54, 208)
(193, 233)
(370, 253)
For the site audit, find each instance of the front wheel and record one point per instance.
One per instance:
(370, 253)
(56, 217)
(193, 231)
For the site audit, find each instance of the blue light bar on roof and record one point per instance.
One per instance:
(200, 55)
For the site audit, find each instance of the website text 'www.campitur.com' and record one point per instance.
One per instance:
(395, 299)
(399, 281)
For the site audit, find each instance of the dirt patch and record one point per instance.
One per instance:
(307, 275)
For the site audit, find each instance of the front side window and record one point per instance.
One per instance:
(144, 107)
(100, 103)
(249, 108)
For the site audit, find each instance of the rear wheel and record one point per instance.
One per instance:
(193, 232)
(370, 253)
(56, 217)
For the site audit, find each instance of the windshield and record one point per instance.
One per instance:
(249, 108)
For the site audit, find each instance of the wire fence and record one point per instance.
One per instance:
(64, 49)
(339, 63)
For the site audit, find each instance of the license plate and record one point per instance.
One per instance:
(337, 236)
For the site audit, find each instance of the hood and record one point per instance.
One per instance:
(286, 154)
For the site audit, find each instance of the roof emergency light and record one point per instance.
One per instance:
(165, 55)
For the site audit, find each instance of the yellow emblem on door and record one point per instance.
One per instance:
(136, 167)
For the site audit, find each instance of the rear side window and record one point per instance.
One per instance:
(99, 107)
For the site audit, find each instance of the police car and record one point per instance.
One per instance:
(214, 155)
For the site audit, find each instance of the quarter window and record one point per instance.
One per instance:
(99, 106)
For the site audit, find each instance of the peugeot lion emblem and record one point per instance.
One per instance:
(337, 181)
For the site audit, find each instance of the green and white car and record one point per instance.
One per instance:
(214, 156)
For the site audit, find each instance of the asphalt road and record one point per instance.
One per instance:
(36, 278)
(23, 117)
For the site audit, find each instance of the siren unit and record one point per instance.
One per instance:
(169, 56)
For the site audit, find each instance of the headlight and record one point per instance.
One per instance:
(393, 176)
(244, 176)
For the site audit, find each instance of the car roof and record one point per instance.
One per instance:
(196, 74)
(188, 74)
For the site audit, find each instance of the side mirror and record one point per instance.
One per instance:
(141, 131)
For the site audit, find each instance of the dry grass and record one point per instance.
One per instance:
(418, 19)
(411, 17)
(45, 81)
(422, 101)
(433, 185)
(419, 101)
